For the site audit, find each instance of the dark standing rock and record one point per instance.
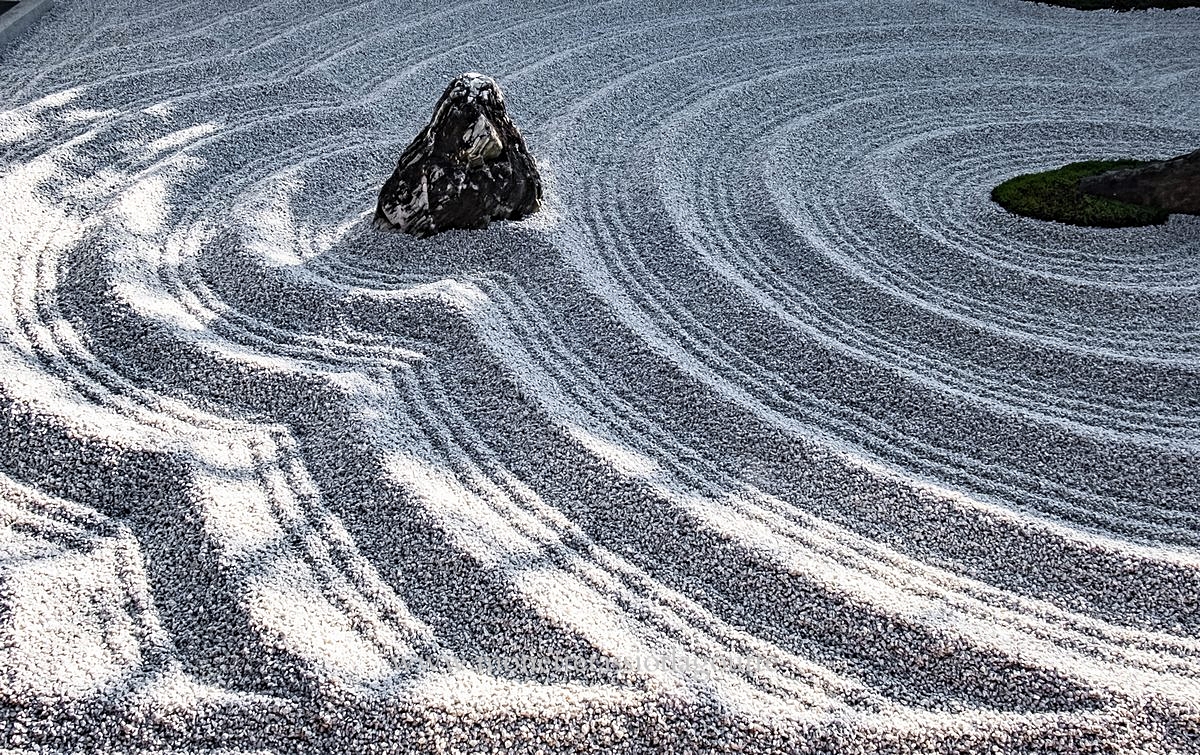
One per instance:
(468, 167)
(1173, 185)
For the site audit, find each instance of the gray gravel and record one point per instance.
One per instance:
(770, 433)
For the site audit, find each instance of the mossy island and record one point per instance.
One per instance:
(1107, 193)
(1055, 195)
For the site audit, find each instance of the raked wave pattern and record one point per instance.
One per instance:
(769, 433)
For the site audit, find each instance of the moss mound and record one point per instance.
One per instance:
(1123, 5)
(1055, 195)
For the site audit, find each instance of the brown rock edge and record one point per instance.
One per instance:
(1173, 185)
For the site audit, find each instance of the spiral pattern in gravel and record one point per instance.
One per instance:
(770, 433)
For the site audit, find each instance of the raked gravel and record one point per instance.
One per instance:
(770, 433)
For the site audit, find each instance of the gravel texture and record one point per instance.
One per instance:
(769, 433)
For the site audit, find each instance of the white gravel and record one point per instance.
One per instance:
(770, 433)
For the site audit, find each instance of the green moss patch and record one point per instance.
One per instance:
(1055, 195)
(1123, 5)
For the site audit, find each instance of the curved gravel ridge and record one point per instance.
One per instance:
(769, 433)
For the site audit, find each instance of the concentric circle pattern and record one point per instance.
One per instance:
(769, 433)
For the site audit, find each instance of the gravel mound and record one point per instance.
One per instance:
(771, 432)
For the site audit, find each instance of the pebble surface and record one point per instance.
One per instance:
(769, 433)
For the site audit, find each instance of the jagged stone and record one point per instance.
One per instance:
(1172, 185)
(467, 167)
